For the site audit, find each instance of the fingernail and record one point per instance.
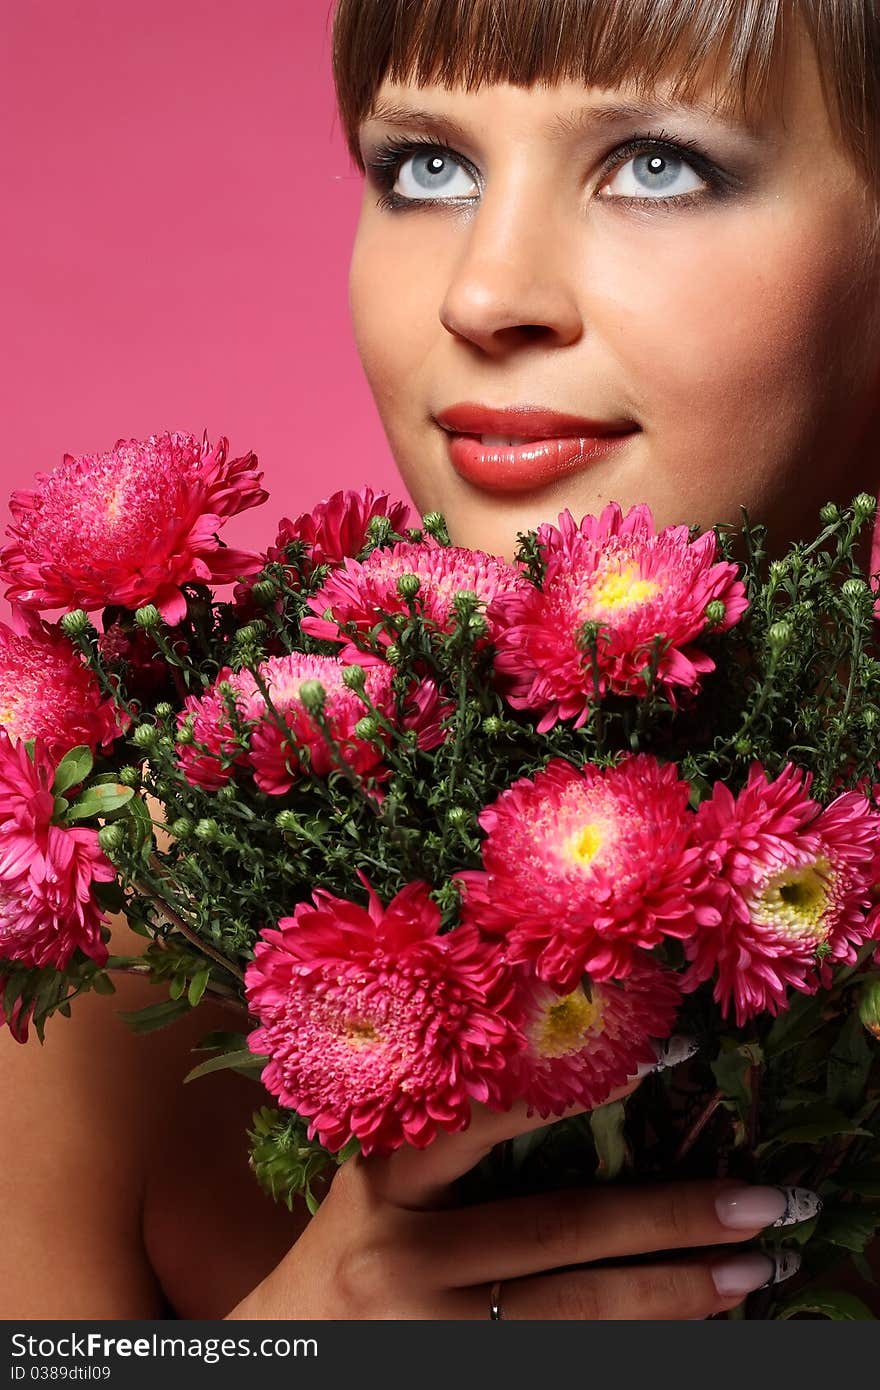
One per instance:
(751, 1208)
(668, 1053)
(742, 1274)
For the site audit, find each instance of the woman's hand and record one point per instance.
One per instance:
(387, 1243)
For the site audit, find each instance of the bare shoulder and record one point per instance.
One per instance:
(71, 1161)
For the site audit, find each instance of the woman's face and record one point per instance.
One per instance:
(724, 302)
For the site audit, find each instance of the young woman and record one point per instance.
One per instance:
(662, 221)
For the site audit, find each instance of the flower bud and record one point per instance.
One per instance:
(264, 592)
(228, 792)
(75, 623)
(458, 816)
(492, 725)
(435, 525)
(163, 710)
(408, 585)
(207, 829)
(464, 603)
(478, 624)
(185, 733)
(287, 820)
(366, 728)
(148, 616)
(869, 1006)
(715, 612)
(870, 715)
(379, 529)
(354, 677)
(313, 696)
(182, 827)
(129, 776)
(864, 505)
(854, 589)
(393, 654)
(144, 736)
(111, 838)
(829, 513)
(780, 634)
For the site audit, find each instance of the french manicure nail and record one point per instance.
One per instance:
(751, 1208)
(668, 1053)
(742, 1274)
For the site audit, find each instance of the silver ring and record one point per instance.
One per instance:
(495, 1312)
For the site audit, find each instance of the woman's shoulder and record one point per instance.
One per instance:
(135, 1185)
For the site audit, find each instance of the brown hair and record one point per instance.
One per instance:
(606, 42)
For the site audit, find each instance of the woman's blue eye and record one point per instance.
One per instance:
(654, 173)
(646, 169)
(422, 175)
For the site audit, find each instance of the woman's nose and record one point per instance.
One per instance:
(515, 281)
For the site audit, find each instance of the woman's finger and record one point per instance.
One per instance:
(417, 1178)
(664, 1291)
(525, 1235)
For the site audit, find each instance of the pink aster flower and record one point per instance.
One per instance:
(581, 1047)
(616, 571)
(130, 526)
(275, 759)
(47, 872)
(583, 866)
(337, 527)
(376, 1025)
(48, 691)
(792, 883)
(361, 593)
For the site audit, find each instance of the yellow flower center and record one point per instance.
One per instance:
(358, 1033)
(566, 1024)
(795, 901)
(583, 846)
(622, 589)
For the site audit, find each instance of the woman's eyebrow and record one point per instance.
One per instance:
(577, 121)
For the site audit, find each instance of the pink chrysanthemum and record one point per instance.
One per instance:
(130, 526)
(47, 691)
(584, 866)
(361, 593)
(792, 883)
(47, 872)
(276, 761)
(337, 527)
(377, 1026)
(581, 1048)
(616, 571)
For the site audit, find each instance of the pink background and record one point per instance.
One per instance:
(179, 207)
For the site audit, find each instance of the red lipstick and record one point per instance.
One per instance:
(554, 444)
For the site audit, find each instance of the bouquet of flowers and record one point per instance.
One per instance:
(439, 828)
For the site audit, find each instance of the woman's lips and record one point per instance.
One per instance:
(520, 467)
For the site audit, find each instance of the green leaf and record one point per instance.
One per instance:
(228, 1042)
(154, 1015)
(198, 985)
(74, 767)
(96, 800)
(850, 1226)
(828, 1303)
(102, 984)
(732, 1069)
(177, 986)
(849, 1064)
(814, 1122)
(795, 1024)
(242, 1061)
(607, 1125)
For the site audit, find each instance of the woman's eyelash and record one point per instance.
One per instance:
(384, 166)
